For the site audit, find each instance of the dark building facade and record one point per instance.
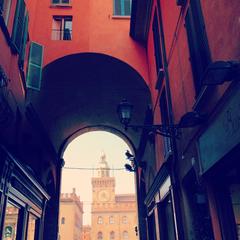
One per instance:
(194, 67)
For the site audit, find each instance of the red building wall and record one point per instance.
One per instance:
(94, 29)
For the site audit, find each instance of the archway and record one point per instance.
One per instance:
(81, 92)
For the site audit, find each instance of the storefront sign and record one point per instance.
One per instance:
(223, 134)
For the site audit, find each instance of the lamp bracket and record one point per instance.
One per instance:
(163, 130)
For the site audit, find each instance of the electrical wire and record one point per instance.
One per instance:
(90, 169)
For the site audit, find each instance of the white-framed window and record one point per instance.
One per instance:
(63, 220)
(100, 220)
(111, 220)
(122, 7)
(62, 28)
(124, 220)
(125, 235)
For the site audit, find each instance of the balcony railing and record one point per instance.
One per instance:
(65, 34)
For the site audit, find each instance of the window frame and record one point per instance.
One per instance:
(157, 47)
(112, 235)
(21, 220)
(99, 235)
(61, 3)
(62, 28)
(125, 235)
(100, 220)
(199, 50)
(122, 8)
(124, 220)
(163, 107)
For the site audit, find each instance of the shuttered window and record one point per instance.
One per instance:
(34, 74)
(122, 7)
(24, 42)
(157, 47)
(197, 41)
(18, 26)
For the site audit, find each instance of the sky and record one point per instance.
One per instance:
(85, 152)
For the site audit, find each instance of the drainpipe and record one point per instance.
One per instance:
(173, 173)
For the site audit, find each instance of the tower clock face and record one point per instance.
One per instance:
(103, 196)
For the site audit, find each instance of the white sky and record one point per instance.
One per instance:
(85, 152)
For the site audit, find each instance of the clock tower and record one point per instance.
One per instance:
(103, 185)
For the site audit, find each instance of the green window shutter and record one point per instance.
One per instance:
(17, 32)
(24, 42)
(34, 74)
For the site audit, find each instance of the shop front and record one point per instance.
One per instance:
(160, 207)
(23, 200)
(219, 149)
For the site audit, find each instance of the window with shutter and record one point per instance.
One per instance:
(17, 33)
(197, 41)
(165, 121)
(157, 47)
(34, 74)
(122, 7)
(24, 42)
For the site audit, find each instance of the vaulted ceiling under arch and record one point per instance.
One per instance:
(83, 90)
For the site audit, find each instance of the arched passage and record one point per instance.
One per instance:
(81, 92)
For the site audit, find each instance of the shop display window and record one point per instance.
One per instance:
(12, 215)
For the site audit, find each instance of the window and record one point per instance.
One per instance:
(111, 219)
(61, 2)
(11, 222)
(34, 74)
(165, 120)
(165, 210)
(32, 220)
(197, 41)
(22, 51)
(18, 26)
(62, 28)
(99, 236)
(112, 235)
(157, 46)
(100, 220)
(5, 6)
(63, 220)
(122, 7)
(124, 220)
(125, 235)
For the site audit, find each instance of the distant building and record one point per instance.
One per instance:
(86, 232)
(113, 216)
(70, 217)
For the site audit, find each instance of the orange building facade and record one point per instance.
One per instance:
(86, 232)
(70, 217)
(114, 216)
